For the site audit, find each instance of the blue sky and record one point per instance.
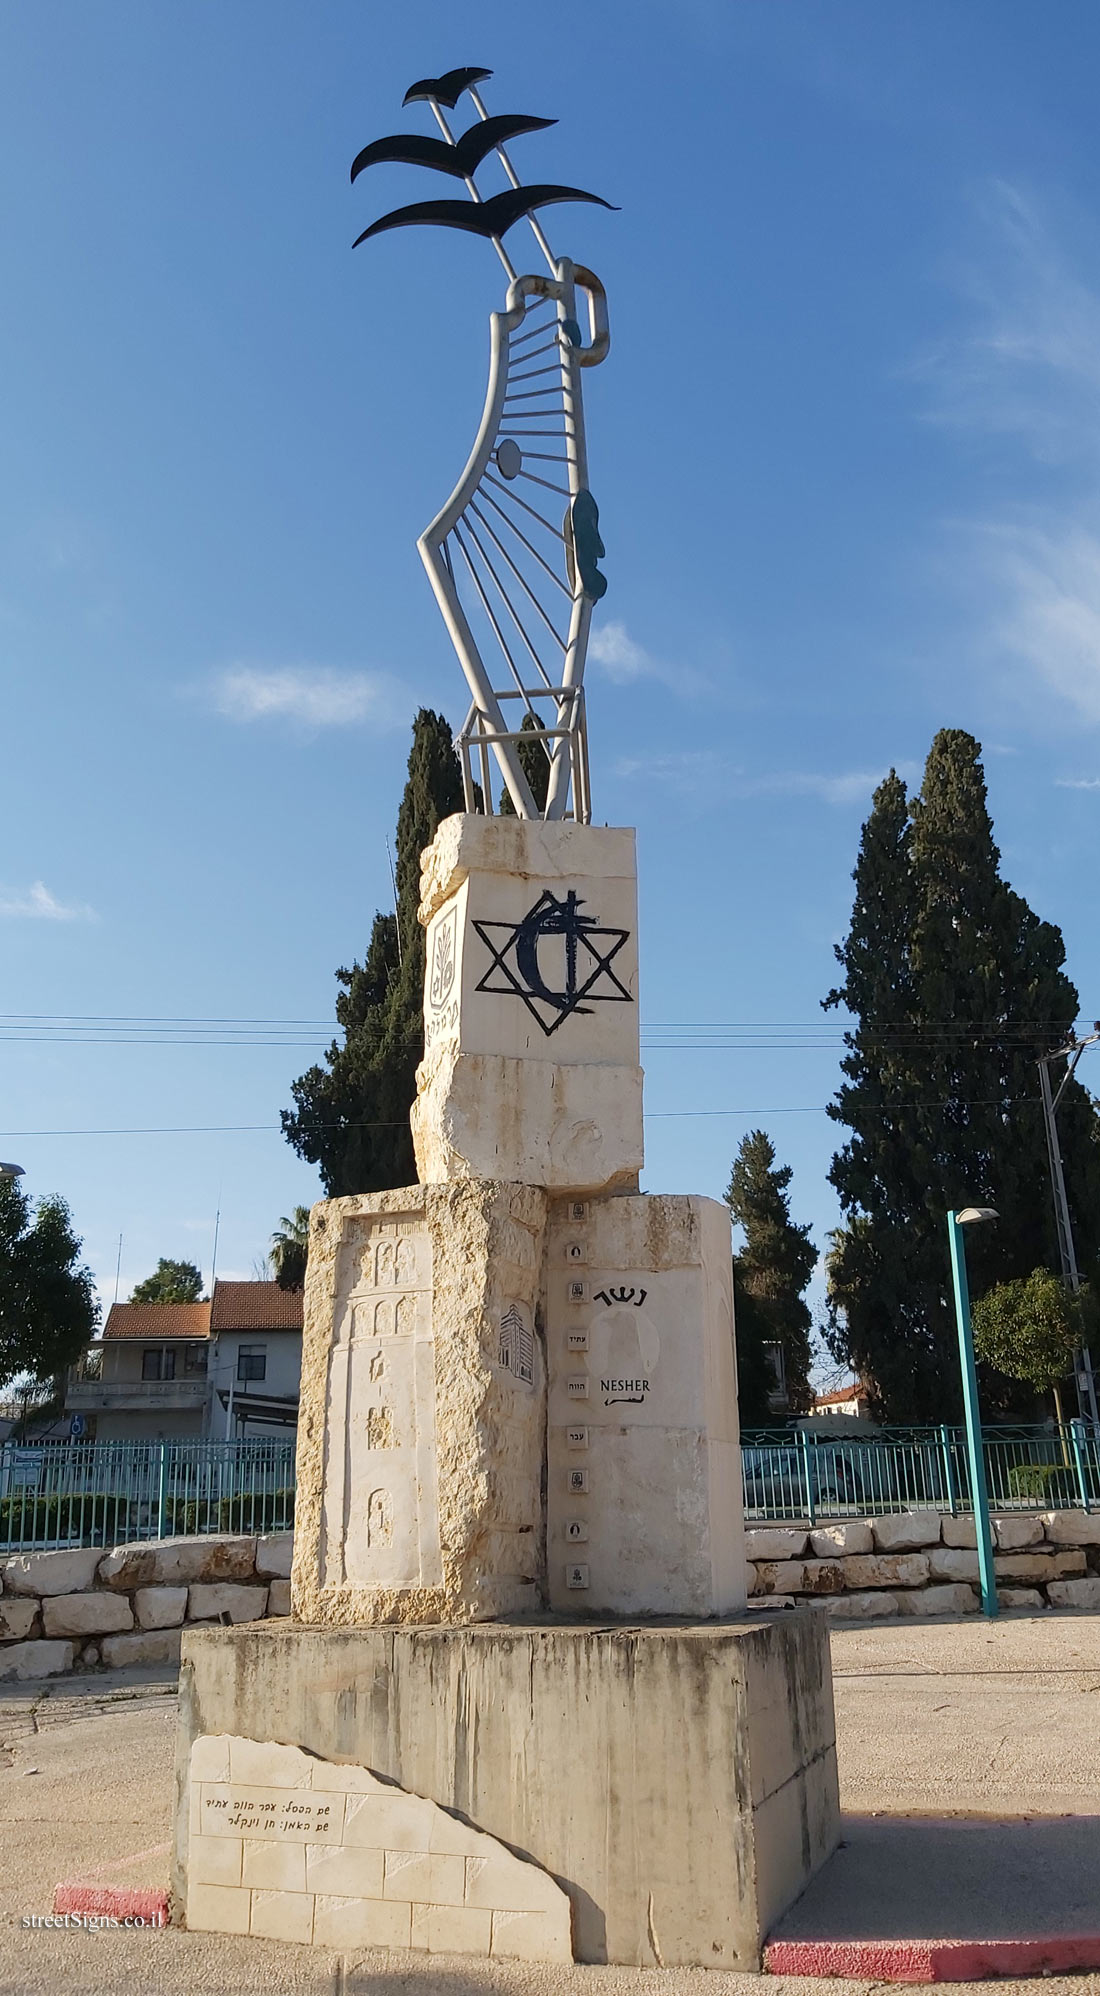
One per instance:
(847, 456)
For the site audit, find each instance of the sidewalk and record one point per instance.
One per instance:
(932, 1720)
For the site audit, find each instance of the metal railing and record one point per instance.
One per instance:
(107, 1493)
(806, 1476)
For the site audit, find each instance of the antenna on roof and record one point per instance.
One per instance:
(118, 1266)
(214, 1256)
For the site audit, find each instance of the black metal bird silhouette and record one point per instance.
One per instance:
(445, 89)
(461, 159)
(480, 218)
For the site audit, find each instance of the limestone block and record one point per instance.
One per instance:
(424, 1879)
(421, 1430)
(282, 1916)
(275, 1867)
(361, 1923)
(946, 1600)
(35, 1659)
(151, 1646)
(215, 1861)
(278, 1598)
(881, 1570)
(1072, 1528)
(769, 1603)
(530, 1006)
(852, 1536)
(353, 1872)
(952, 1563)
(1036, 1568)
(265, 1764)
(644, 1496)
(798, 1576)
(861, 1607)
(1027, 1597)
(451, 1929)
(775, 1542)
(529, 1937)
(906, 1531)
(218, 1909)
(1074, 1593)
(177, 1562)
(274, 1554)
(16, 1619)
(959, 1532)
(85, 1614)
(159, 1607)
(50, 1572)
(211, 1600)
(210, 1758)
(1012, 1534)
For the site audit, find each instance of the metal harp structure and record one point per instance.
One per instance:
(512, 556)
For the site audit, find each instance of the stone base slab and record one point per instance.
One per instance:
(677, 1780)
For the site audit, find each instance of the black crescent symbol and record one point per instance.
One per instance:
(484, 218)
(446, 89)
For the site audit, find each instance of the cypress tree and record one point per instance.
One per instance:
(956, 987)
(351, 1116)
(776, 1262)
(535, 764)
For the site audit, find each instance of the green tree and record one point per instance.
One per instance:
(955, 987)
(535, 764)
(755, 1372)
(170, 1282)
(351, 1116)
(48, 1307)
(289, 1248)
(1030, 1328)
(776, 1261)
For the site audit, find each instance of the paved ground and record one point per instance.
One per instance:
(932, 1719)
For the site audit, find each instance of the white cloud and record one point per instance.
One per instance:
(318, 696)
(625, 661)
(1052, 581)
(36, 903)
(710, 778)
(1077, 783)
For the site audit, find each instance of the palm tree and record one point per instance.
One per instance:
(289, 1247)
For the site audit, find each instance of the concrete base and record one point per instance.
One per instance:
(677, 1780)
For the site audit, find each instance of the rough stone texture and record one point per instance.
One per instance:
(959, 1532)
(209, 1601)
(831, 1541)
(1074, 1593)
(1028, 1597)
(500, 1096)
(39, 1659)
(278, 1598)
(420, 1453)
(274, 1555)
(697, 1795)
(642, 1402)
(1037, 1567)
(1011, 1534)
(177, 1562)
(906, 1530)
(160, 1607)
(861, 1607)
(882, 1570)
(16, 1619)
(150, 1646)
(85, 1614)
(1072, 1528)
(766, 1603)
(946, 1600)
(952, 1563)
(775, 1542)
(50, 1572)
(329, 1853)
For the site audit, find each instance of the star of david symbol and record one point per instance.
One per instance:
(589, 953)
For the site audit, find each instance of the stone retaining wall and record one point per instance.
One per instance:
(77, 1609)
(922, 1563)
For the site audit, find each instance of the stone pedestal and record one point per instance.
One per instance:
(652, 1796)
(530, 1069)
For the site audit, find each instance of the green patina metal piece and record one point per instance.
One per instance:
(589, 548)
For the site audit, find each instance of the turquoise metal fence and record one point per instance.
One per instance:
(107, 1493)
(806, 1476)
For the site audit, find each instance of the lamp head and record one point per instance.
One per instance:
(11, 1171)
(971, 1215)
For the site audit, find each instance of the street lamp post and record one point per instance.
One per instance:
(969, 1216)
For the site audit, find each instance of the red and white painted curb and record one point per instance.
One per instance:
(149, 1904)
(934, 1961)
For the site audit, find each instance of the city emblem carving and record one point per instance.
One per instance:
(444, 956)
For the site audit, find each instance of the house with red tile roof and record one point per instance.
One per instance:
(218, 1370)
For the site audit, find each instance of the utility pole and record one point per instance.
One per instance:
(1071, 1054)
